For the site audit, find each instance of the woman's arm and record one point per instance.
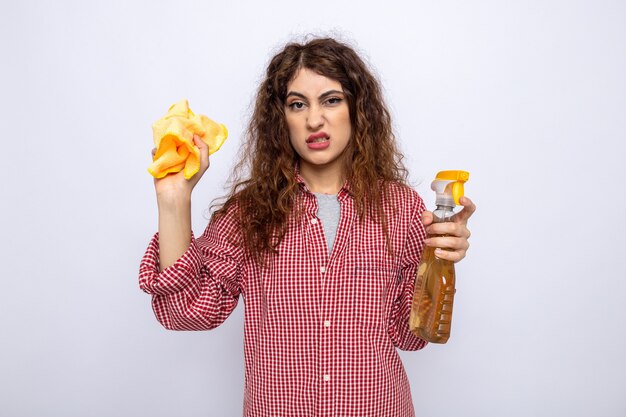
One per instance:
(454, 248)
(195, 283)
(173, 194)
(201, 288)
(399, 331)
(174, 227)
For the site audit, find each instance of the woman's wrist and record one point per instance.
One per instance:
(176, 200)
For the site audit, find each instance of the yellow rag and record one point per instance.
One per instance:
(173, 139)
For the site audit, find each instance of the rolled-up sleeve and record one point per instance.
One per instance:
(202, 288)
(399, 331)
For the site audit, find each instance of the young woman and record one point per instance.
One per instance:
(321, 237)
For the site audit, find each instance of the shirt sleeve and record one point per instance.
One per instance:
(400, 334)
(201, 289)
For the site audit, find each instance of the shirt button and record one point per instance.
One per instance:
(326, 323)
(313, 220)
(322, 269)
(326, 377)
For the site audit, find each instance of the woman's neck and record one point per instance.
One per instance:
(322, 179)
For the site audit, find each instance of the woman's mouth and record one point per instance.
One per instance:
(318, 141)
(317, 137)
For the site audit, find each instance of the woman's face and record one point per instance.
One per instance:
(318, 119)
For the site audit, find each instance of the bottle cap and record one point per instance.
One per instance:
(449, 187)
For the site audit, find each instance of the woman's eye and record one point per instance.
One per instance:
(333, 100)
(296, 105)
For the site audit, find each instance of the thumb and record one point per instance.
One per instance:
(468, 209)
(427, 218)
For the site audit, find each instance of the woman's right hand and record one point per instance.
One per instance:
(176, 185)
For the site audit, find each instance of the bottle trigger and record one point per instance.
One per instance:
(458, 191)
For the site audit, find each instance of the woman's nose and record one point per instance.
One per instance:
(315, 118)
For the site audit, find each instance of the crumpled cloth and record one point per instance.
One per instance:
(173, 139)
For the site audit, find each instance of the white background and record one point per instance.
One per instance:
(529, 96)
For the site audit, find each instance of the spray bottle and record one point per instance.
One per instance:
(431, 311)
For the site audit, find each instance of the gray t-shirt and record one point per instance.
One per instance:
(328, 211)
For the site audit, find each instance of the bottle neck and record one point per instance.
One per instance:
(443, 213)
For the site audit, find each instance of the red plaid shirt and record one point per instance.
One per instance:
(321, 329)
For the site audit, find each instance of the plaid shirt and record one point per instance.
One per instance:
(321, 329)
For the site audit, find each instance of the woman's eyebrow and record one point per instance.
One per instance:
(329, 93)
(324, 95)
(296, 94)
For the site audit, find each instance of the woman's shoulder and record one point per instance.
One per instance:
(400, 194)
(226, 216)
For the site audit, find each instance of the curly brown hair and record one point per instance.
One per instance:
(264, 186)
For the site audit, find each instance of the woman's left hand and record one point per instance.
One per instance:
(454, 245)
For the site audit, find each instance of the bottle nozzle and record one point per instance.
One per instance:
(449, 187)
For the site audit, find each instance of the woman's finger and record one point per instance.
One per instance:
(468, 209)
(447, 242)
(204, 152)
(427, 218)
(453, 256)
(449, 228)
